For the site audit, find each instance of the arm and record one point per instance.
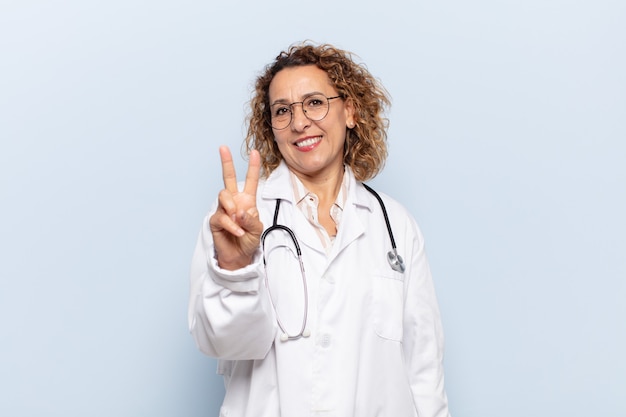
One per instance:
(423, 335)
(230, 316)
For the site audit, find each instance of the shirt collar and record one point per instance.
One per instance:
(300, 191)
(278, 185)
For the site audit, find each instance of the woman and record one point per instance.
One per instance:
(351, 330)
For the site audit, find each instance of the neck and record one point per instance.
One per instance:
(326, 186)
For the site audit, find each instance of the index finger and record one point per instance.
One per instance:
(228, 170)
(252, 176)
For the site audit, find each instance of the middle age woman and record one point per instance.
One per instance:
(345, 335)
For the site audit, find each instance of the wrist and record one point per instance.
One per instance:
(233, 264)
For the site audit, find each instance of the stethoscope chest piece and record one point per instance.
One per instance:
(395, 261)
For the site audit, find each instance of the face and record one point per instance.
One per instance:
(311, 149)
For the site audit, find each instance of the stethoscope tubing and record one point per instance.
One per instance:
(385, 215)
(395, 261)
(303, 330)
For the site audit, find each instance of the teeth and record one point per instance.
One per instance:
(308, 142)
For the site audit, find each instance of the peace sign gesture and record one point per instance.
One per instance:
(235, 226)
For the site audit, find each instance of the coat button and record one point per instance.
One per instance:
(323, 340)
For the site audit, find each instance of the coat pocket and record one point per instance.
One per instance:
(388, 308)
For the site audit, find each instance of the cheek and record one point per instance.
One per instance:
(279, 139)
(281, 143)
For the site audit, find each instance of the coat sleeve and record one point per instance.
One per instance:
(230, 314)
(423, 335)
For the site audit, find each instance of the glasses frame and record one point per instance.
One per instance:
(269, 114)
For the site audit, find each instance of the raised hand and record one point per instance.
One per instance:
(235, 226)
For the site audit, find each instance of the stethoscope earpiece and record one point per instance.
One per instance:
(305, 333)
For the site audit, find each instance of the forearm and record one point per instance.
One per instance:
(230, 316)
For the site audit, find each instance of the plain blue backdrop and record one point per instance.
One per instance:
(507, 143)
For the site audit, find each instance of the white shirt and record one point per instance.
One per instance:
(308, 203)
(376, 344)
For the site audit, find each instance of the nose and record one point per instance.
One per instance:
(299, 120)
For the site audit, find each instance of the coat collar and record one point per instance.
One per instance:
(359, 204)
(278, 185)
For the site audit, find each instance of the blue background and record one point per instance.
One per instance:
(507, 142)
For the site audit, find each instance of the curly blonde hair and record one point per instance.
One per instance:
(365, 149)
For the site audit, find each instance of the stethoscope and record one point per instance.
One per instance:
(395, 262)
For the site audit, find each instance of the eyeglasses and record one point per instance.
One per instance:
(314, 107)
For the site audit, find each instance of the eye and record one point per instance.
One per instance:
(281, 111)
(315, 101)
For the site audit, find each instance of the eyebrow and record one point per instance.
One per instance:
(304, 97)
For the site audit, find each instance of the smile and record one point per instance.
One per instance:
(308, 142)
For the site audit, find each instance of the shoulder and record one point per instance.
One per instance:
(385, 201)
(401, 220)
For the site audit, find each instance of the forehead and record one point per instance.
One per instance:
(293, 82)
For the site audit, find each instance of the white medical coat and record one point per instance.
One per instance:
(376, 344)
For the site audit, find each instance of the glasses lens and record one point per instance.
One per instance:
(280, 115)
(315, 107)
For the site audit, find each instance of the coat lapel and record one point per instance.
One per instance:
(278, 185)
(354, 218)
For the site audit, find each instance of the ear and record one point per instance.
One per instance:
(349, 111)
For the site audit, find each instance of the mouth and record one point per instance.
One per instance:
(308, 141)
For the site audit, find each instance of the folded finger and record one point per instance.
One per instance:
(222, 222)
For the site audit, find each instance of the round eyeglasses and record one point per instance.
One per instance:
(314, 107)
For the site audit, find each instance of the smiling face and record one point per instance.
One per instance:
(311, 149)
